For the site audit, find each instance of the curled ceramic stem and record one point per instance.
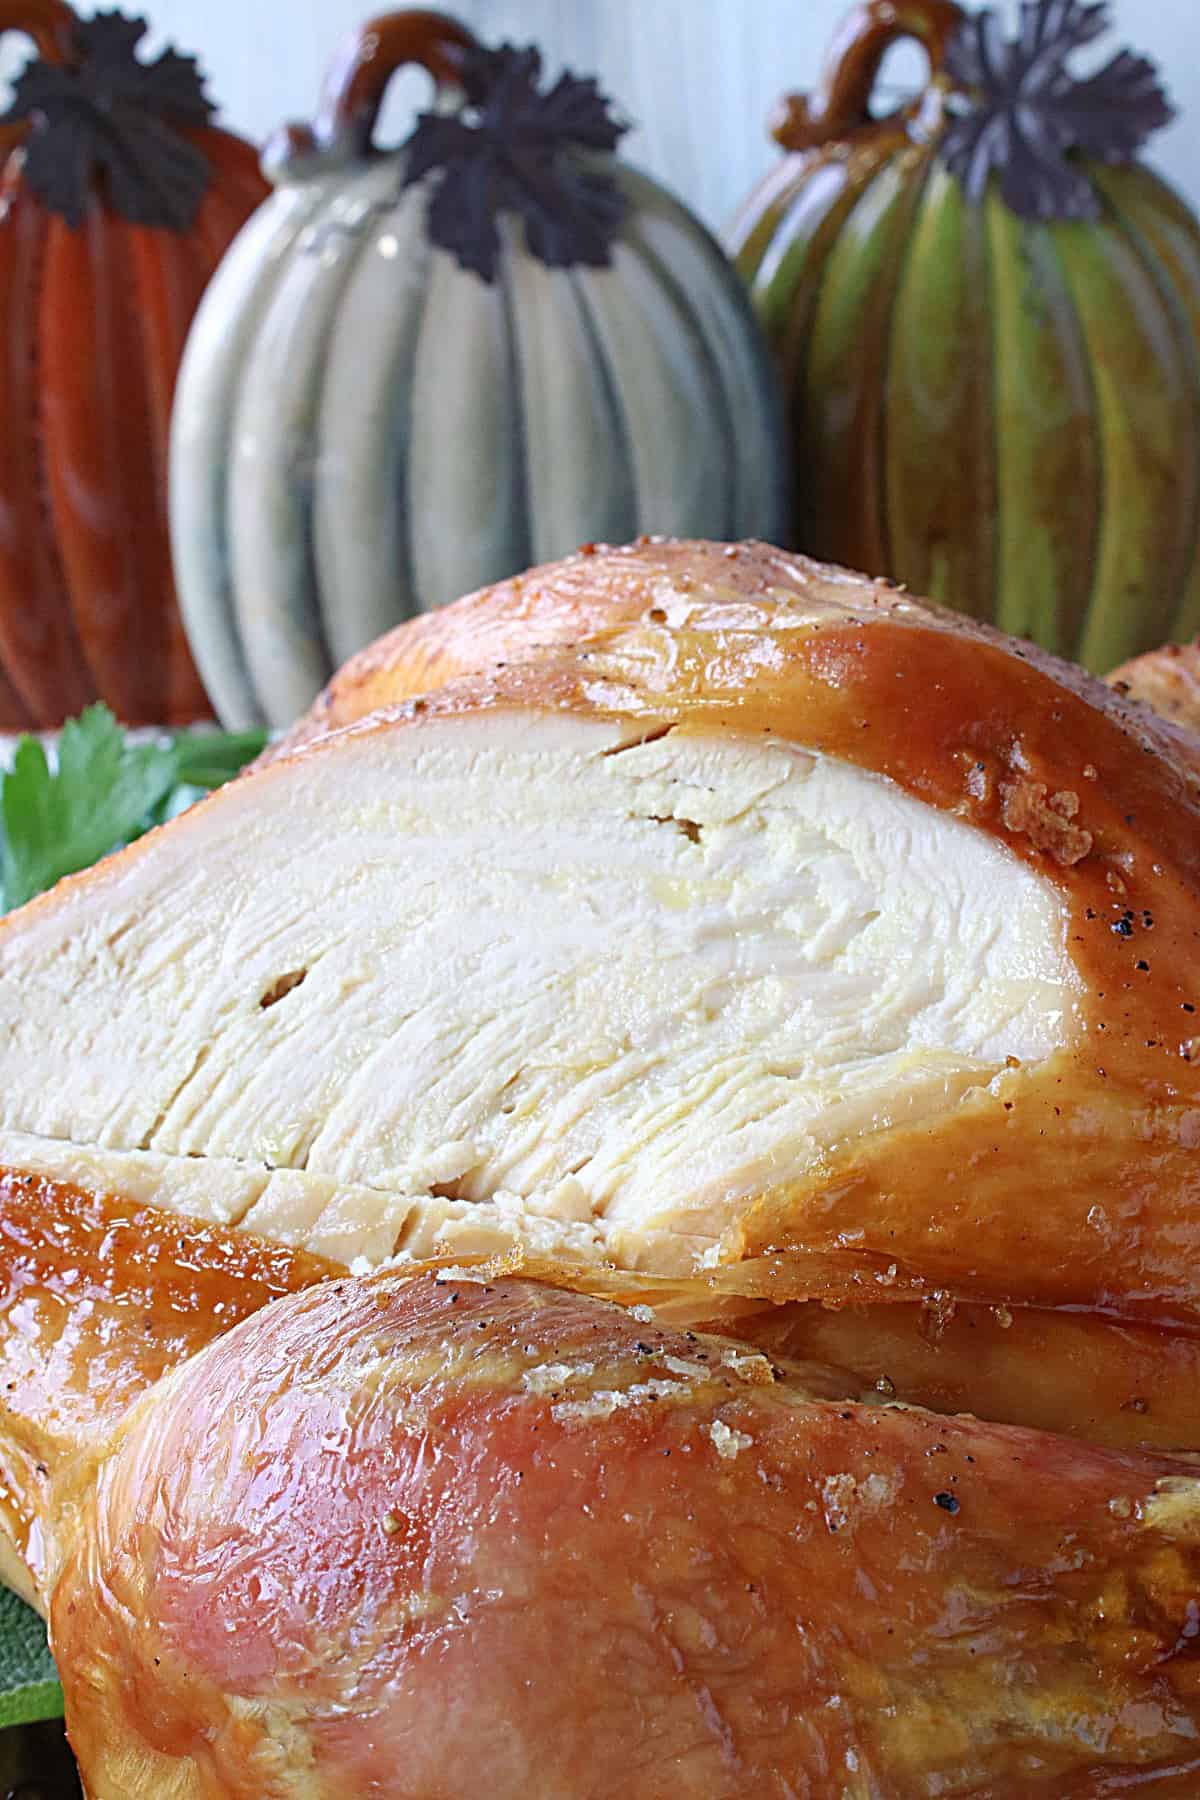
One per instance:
(356, 84)
(50, 23)
(840, 105)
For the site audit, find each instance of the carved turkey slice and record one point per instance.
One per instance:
(743, 916)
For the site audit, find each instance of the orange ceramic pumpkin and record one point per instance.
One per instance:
(117, 200)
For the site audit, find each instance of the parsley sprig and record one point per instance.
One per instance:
(103, 792)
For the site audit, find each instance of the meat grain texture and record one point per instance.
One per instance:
(738, 914)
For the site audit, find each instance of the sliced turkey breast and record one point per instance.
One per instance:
(740, 915)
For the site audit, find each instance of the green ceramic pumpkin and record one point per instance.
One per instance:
(419, 372)
(986, 317)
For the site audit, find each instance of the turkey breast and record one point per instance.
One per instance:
(737, 914)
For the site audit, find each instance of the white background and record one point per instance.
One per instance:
(698, 76)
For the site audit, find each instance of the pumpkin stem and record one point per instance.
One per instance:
(50, 23)
(355, 86)
(840, 107)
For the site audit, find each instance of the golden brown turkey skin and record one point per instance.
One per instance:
(1132, 1387)
(446, 1538)
(98, 1298)
(1168, 681)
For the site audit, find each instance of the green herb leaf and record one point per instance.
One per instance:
(29, 1687)
(104, 792)
(57, 823)
(207, 759)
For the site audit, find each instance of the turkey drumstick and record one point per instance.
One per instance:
(433, 1537)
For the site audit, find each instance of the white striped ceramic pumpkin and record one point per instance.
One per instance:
(366, 428)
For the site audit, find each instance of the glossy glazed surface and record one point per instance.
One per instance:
(379, 1527)
(93, 321)
(1131, 1387)
(1000, 412)
(390, 1534)
(747, 643)
(98, 1299)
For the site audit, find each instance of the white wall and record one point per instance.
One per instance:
(697, 75)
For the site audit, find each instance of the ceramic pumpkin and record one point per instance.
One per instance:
(986, 316)
(117, 199)
(419, 372)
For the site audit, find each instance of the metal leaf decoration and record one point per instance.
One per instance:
(516, 149)
(110, 121)
(1028, 119)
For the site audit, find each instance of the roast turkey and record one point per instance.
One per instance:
(1167, 681)
(696, 928)
(99, 1298)
(430, 1537)
(740, 916)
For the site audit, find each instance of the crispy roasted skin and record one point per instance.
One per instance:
(604, 591)
(405, 1536)
(1168, 681)
(98, 1299)
(1131, 1387)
